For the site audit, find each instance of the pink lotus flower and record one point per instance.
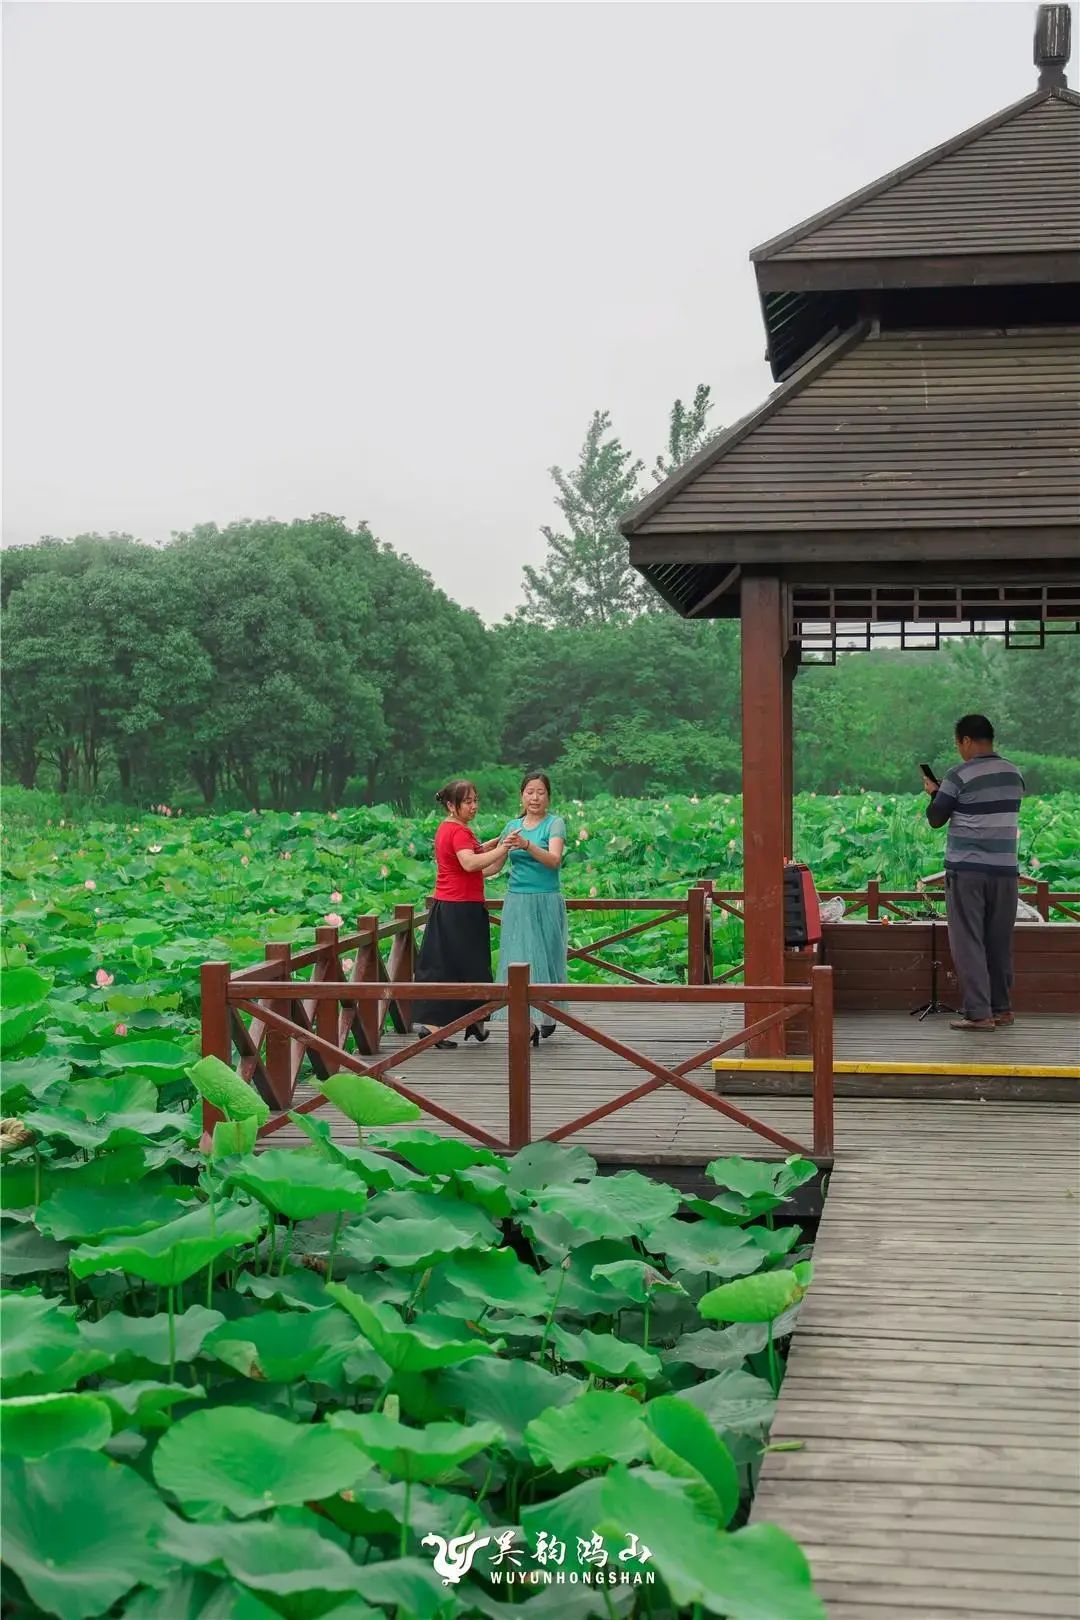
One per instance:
(245, 861)
(121, 1029)
(89, 884)
(286, 855)
(247, 832)
(348, 963)
(335, 898)
(332, 816)
(332, 920)
(384, 871)
(101, 978)
(1034, 863)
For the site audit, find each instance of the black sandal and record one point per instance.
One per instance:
(473, 1032)
(535, 1036)
(547, 1030)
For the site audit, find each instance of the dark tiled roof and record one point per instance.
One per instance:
(891, 431)
(1010, 185)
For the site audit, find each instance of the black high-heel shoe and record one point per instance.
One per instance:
(473, 1032)
(547, 1031)
(535, 1036)
(442, 1046)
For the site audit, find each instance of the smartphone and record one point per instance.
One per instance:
(929, 774)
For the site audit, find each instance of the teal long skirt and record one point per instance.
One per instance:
(533, 930)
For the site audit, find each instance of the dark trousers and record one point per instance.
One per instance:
(982, 916)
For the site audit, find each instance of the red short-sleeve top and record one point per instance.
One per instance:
(452, 881)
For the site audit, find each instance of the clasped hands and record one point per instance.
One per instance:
(514, 840)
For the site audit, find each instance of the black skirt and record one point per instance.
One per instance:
(456, 949)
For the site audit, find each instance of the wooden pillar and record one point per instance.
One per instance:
(763, 785)
(787, 757)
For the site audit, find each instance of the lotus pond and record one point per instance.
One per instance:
(352, 1381)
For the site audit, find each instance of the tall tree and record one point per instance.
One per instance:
(586, 578)
(688, 432)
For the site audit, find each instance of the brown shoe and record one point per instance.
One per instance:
(1003, 1020)
(973, 1023)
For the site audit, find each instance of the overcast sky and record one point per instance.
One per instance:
(385, 260)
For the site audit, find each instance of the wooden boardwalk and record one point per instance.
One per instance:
(935, 1375)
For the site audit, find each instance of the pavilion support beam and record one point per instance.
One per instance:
(765, 791)
(790, 670)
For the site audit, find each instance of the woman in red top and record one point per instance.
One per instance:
(457, 939)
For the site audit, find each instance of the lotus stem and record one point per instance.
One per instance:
(333, 1247)
(645, 1333)
(404, 1549)
(172, 1335)
(285, 1248)
(774, 1363)
(551, 1312)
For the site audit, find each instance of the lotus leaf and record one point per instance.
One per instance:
(432, 1154)
(499, 1278)
(377, 1169)
(615, 1206)
(121, 1130)
(25, 1252)
(367, 1101)
(247, 1461)
(755, 1574)
(735, 1401)
(406, 1348)
(507, 1393)
(408, 1586)
(268, 1555)
(88, 1214)
(161, 1060)
(605, 1355)
(133, 1339)
(413, 1245)
(754, 1178)
(36, 1335)
(425, 1455)
(282, 1345)
(144, 1403)
(415, 1205)
(171, 1254)
(234, 1136)
(546, 1164)
(598, 1427)
(718, 1348)
(706, 1247)
(756, 1299)
(34, 1426)
(635, 1280)
(223, 1089)
(299, 1183)
(685, 1445)
(80, 1532)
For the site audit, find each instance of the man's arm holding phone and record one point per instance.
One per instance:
(943, 796)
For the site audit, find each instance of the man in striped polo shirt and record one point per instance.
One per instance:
(980, 800)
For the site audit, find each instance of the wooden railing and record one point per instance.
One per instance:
(915, 905)
(277, 1026)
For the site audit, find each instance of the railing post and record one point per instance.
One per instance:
(519, 1024)
(821, 1029)
(326, 1020)
(279, 1045)
(402, 968)
(216, 1032)
(873, 895)
(706, 885)
(695, 936)
(367, 972)
(1042, 899)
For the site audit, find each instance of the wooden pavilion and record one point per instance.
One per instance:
(917, 469)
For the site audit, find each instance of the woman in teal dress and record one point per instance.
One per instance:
(534, 912)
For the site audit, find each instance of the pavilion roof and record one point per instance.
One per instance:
(1007, 186)
(886, 443)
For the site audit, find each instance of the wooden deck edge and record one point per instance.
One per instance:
(883, 1084)
(793, 1065)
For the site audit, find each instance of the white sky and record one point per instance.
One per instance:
(385, 260)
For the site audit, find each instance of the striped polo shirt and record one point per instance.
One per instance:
(980, 800)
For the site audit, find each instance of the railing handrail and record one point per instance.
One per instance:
(452, 990)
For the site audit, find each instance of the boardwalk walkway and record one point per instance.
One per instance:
(935, 1374)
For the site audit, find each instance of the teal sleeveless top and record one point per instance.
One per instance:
(526, 875)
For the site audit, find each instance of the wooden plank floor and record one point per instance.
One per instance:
(934, 1379)
(935, 1374)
